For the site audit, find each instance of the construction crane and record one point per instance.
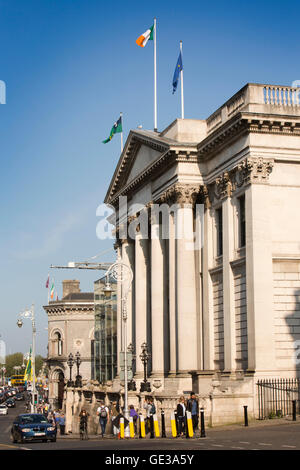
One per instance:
(84, 265)
(87, 264)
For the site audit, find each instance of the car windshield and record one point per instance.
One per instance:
(28, 419)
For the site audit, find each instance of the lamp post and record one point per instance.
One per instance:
(78, 361)
(131, 384)
(29, 314)
(122, 273)
(70, 363)
(145, 357)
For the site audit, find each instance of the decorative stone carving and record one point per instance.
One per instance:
(252, 170)
(223, 186)
(204, 191)
(261, 169)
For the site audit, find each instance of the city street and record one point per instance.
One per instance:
(277, 435)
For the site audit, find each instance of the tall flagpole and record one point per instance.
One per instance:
(155, 79)
(181, 81)
(121, 115)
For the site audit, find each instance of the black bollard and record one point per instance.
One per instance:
(163, 426)
(140, 427)
(202, 423)
(246, 415)
(294, 410)
(151, 427)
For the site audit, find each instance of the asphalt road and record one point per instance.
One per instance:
(282, 435)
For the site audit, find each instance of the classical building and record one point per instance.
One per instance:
(221, 309)
(71, 323)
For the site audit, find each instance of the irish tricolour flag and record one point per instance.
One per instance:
(145, 37)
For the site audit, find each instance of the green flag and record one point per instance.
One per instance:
(117, 127)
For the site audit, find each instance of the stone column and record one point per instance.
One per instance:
(157, 299)
(172, 295)
(208, 315)
(223, 190)
(118, 248)
(260, 314)
(186, 283)
(141, 255)
(69, 409)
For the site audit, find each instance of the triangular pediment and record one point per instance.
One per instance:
(144, 157)
(141, 150)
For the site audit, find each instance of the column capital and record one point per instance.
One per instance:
(180, 193)
(253, 170)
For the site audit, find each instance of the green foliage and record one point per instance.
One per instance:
(13, 360)
(16, 359)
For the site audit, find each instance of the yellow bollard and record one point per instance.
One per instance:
(189, 423)
(173, 425)
(142, 426)
(156, 427)
(122, 433)
(131, 427)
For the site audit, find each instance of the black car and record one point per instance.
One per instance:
(10, 403)
(19, 397)
(30, 427)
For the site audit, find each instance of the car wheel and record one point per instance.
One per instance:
(44, 440)
(53, 440)
(21, 440)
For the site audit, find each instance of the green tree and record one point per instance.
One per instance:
(13, 360)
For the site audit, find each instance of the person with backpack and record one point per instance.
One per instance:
(103, 413)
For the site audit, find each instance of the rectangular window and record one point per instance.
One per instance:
(242, 221)
(219, 227)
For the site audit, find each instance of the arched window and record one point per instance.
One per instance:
(58, 344)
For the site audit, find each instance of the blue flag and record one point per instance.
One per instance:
(178, 68)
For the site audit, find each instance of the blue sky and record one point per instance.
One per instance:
(70, 67)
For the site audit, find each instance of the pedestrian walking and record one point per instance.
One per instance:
(150, 411)
(134, 415)
(62, 424)
(114, 413)
(193, 407)
(181, 410)
(83, 424)
(103, 413)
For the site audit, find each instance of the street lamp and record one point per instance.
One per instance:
(70, 363)
(29, 314)
(122, 273)
(78, 361)
(145, 357)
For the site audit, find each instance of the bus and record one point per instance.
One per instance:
(17, 380)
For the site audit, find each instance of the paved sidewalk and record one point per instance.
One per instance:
(230, 427)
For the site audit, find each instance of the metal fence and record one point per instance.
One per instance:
(275, 397)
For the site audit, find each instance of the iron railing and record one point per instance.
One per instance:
(276, 396)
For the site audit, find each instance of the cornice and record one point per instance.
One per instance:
(69, 310)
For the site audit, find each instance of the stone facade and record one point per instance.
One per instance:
(71, 323)
(221, 310)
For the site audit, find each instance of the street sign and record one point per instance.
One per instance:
(129, 360)
(129, 375)
(129, 366)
